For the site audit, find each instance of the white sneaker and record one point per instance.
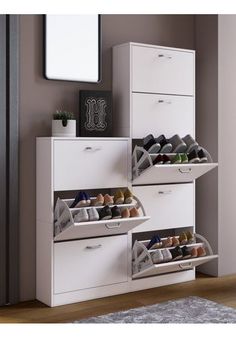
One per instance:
(157, 256)
(81, 216)
(166, 255)
(93, 214)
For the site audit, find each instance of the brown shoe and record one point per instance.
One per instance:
(119, 197)
(99, 201)
(128, 197)
(125, 213)
(134, 213)
(194, 252)
(201, 251)
(175, 241)
(108, 200)
(168, 242)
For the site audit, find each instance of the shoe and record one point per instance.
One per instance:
(154, 243)
(105, 213)
(166, 255)
(183, 240)
(190, 142)
(80, 200)
(166, 159)
(175, 241)
(184, 158)
(108, 200)
(201, 251)
(158, 160)
(134, 213)
(190, 237)
(150, 144)
(193, 157)
(176, 253)
(186, 251)
(125, 213)
(157, 256)
(116, 213)
(128, 195)
(167, 242)
(81, 216)
(177, 159)
(93, 214)
(99, 201)
(194, 252)
(119, 197)
(178, 145)
(87, 198)
(166, 147)
(202, 156)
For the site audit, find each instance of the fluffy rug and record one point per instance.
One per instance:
(186, 310)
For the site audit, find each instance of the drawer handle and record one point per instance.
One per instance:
(165, 192)
(186, 266)
(116, 225)
(185, 171)
(165, 56)
(163, 101)
(92, 149)
(94, 247)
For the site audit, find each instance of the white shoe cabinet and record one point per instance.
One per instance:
(154, 92)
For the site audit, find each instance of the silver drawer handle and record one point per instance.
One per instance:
(185, 171)
(164, 192)
(116, 225)
(92, 149)
(165, 56)
(94, 247)
(186, 266)
(163, 101)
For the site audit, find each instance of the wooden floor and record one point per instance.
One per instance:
(221, 290)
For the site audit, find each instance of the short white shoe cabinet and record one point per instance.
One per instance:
(154, 92)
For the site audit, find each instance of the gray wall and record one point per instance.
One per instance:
(40, 98)
(206, 44)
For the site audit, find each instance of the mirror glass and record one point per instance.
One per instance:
(72, 47)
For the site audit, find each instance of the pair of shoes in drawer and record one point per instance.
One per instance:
(180, 253)
(196, 157)
(198, 251)
(159, 256)
(107, 213)
(170, 242)
(186, 238)
(121, 197)
(84, 215)
(101, 200)
(82, 199)
(161, 159)
(155, 242)
(180, 158)
(130, 213)
(155, 145)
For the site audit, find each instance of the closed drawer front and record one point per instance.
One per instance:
(169, 206)
(162, 71)
(86, 164)
(156, 114)
(90, 263)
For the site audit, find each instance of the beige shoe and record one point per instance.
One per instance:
(183, 240)
(167, 242)
(125, 213)
(128, 197)
(134, 213)
(99, 201)
(119, 197)
(108, 200)
(175, 241)
(190, 237)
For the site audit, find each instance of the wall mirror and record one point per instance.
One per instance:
(72, 47)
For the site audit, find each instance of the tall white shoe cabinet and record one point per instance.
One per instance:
(153, 90)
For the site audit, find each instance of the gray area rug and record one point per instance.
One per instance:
(186, 310)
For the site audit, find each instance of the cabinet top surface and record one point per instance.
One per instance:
(85, 138)
(130, 44)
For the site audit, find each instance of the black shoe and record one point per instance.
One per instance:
(186, 252)
(202, 156)
(105, 213)
(166, 147)
(150, 144)
(116, 213)
(193, 157)
(176, 253)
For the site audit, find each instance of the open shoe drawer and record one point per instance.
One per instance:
(67, 229)
(144, 172)
(143, 265)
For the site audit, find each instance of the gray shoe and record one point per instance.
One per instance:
(165, 145)
(178, 145)
(93, 214)
(166, 255)
(157, 256)
(81, 216)
(190, 142)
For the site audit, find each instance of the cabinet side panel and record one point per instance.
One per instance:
(44, 229)
(121, 91)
